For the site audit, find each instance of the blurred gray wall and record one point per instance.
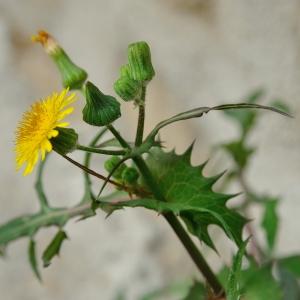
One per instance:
(205, 53)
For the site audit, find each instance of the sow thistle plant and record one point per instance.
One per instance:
(145, 175)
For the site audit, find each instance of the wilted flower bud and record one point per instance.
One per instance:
(127, 88)
(72, 76)
(111, 163)
(100, 109)
(66, 140)
(140, 65)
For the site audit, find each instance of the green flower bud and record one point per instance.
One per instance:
(127, 88)
(130, 175)
(111, 163)
(100, 109)
(139, 58)
(125, 71)
(72, 75)
(66, 140)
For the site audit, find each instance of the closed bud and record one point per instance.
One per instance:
(130, 175)
(127, 88)
(111, 163)
(66, 140)
(139, 58)
(125, 71)
(100, 109)
(72, 75)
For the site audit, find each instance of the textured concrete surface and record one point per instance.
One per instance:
(205, 52)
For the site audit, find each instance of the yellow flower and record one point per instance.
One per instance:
(37, 127)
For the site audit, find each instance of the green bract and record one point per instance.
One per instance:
(140, 64)
(66, 140)
(72, 75)
(100, 109)
(127, 88)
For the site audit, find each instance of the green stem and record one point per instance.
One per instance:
(180, 231)
(189, 245)
(88, 155)
(141, 119)
(100, 151)
(91, 172)
(117, 135)
(40, 188)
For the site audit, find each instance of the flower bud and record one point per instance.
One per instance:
(125, 71)
(100, 109)
(127, 88)
(111, 163)
(139, 58)
(66, 140)
(72, 76)
(130, 175)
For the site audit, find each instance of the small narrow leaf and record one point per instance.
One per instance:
(33, 260)
(239, 152)
(270, 222)
(292, 264)
(198, 112)
(233, 286)
(289, 284)
(259, 284)
(197, 292)
(53, 248)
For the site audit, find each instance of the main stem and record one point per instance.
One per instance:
(183, 236)
(180, 231)
(141, 119)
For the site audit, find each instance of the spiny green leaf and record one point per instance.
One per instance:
(292, 264)
(190, 194)
(33, 260)
(28, 225)
(196, 292)
(53, 248)
(270, 221)
(233, 285)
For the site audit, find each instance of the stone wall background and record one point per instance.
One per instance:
(205, 53)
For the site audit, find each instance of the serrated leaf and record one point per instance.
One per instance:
(292, 264)
(33, 260)
(189, 194)
(239, 152)
(196, 292)
(233, 285)
(200, 111)
(270, 221)
(53, 248)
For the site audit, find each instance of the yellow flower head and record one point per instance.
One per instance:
(37, 127)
